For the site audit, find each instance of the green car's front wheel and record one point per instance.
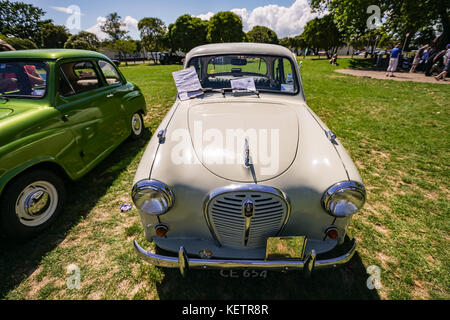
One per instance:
(137, 126)
(31, 203)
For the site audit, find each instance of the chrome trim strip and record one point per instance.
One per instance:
(194, 263)
(243, 187)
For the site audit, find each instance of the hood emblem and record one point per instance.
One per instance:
(246, 153)
(248, 208)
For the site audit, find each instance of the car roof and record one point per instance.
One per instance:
(240, 48)
(50, 54)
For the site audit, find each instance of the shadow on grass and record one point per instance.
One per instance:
(347, 282)
(18, 261)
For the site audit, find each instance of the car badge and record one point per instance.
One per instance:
(248, 208)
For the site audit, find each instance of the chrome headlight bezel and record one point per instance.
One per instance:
(147, 187)
(349, 188)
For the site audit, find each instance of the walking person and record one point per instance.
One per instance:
(443, 74)
(417, 58)
(393, 62)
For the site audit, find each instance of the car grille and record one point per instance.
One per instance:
(232, 229)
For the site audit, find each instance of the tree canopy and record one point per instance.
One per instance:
(322, 33)
(187, 32)
(262, 34)
(21, 20)
(153, 31)
(83, 40)
(225, 26)
(53, 36)
(114, 27)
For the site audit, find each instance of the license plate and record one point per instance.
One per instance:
(285, 248)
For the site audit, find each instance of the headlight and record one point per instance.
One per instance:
(152, 197)
(344, 198)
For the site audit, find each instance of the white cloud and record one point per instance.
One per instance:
(129, 24)
(285, 21)
(206, 16)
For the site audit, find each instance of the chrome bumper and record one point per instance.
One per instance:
(184, 263)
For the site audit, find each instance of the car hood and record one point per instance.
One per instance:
(221, 132)
(4, 112)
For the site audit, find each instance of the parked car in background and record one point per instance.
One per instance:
(245, 174)
(61, 113)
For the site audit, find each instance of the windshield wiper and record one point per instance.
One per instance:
(244, 90)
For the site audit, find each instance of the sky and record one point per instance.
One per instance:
(285, 17)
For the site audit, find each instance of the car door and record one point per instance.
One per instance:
(82, 99)
(115, 90)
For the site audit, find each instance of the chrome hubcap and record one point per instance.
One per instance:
(136, 124)
(37, 203)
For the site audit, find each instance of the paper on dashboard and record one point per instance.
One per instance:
(243, 85)
(187, 83)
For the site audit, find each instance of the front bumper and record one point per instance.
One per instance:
(307, 265)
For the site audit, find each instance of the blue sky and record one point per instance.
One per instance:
(286, 17)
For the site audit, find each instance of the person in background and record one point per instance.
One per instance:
(432, 52)
(418, 58)
(333, 59)
(443, 74)
(393, 62)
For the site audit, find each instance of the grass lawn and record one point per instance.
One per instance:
(396, 132)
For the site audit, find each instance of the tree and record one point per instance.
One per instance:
(153, 31)
(262, 34)
(400, 17)
(322, 33)
(53, 36)
(21, 20)
(187, 32)
(225, 26)
(83, 40)
(21, 44)
(114, 27)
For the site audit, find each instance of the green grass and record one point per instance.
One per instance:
(396, 132)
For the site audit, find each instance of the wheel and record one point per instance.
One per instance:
(31, 203)
(137, 126)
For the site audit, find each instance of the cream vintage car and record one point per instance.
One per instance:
(244, 175)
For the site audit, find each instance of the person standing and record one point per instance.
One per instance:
(393, 62)
(443, 74)
(417, 58)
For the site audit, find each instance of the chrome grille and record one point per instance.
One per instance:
(232, 229)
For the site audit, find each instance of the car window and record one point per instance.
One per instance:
(110, 72)
(77, 77)
(270, 73)
(23, 79)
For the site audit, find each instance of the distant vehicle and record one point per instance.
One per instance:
(170, 58)
(61, 113)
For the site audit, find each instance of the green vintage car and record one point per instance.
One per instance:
(61, 113)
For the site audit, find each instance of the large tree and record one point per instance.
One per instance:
(83, 40)
(21, 20)
(187, 32)
(153, 31)
(400, 17)
(125, 47)
(225, 26)
(53, 36)
(322, 33)
(262, 34)
(114, 27)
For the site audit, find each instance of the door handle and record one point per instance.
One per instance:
(110, 95)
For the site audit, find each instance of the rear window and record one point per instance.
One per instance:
(23, 79)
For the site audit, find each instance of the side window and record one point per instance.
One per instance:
(284, 75)
(77, 77)
(110, 73)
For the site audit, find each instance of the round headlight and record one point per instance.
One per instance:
(152, 197)
(344, 198)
